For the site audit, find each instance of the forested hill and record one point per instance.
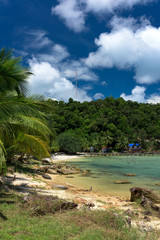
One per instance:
(109, 122)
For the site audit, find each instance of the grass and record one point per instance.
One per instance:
(17, 223)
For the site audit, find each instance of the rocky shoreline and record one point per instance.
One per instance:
(45, 181)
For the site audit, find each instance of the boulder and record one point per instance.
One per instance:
(137, 193)
(67, 171)
(147, 198)
(122, 182)
(46, 176)
(45, 162)
(51, 171)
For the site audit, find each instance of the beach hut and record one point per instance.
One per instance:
(134, 147)
(105, 149)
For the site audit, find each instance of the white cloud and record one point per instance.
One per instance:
(98, 96)
(99, 6)
(37, 39)
(48, 81)
(71, 13)
(154, 98)
(69, 69)
(45, 50)
(104, 83)
(126, 47)
(56, 54)
(138, 95)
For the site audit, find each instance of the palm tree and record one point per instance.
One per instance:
(107, 138)
(122, 142)
(13, 76)
(23, 128)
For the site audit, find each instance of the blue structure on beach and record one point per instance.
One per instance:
(134, 146)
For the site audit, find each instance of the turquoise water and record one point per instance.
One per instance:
(106, 170)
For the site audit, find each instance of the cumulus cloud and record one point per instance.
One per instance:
(69, 68)
(98, 96)
(154, 98)
(99, 6)
(48, 81)
(138, 95)
(45, 50)
(74, 12)
(55, 54)
(71, 13)
(129, 47)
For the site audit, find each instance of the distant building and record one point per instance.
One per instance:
(91, 149)
(134, 147)
(105, 149)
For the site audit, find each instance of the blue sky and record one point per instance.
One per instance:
(113, 45)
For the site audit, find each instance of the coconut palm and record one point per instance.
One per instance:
(23, 127)
(13, 76)
(122, 142)
(107, 138)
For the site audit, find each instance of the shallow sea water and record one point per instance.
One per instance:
(106, 170)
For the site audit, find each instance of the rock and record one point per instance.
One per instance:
(46, 176)
(129, 213)
(122, 182)
(53, 166)
(45, 162)
(80, 201)
(147, 213)
(86, 171)
(137, 193)
(60, 187)
(67, 171)
(130, 174)
(147, 219)
(69, 177)
(90, 204)
(51, 171)
(146, 197)
(43, 168)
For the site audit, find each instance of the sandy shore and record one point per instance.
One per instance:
(83, 197)
(62, 158)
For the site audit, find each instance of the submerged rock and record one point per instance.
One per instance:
(122, 182)
(130, 174)
(60, 187)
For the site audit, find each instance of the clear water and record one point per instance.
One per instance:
(106, 170)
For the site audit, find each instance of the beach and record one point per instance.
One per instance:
(84, 197)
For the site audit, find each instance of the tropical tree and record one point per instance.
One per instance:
(13, 76)
(107, 138)
(122, 142)
(23, 127)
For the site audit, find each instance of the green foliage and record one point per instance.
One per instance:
(107, 123)
(69, 142)
(23, 127)
(55, 146)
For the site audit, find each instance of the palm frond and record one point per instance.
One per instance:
(2, 159)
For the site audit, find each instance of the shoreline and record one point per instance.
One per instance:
(85, 198)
